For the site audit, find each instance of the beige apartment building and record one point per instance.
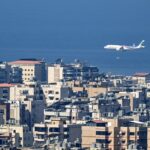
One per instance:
(48, 131)
(99, 132)
(55, 73)
(22, 92)
(55, 92)
(16, 135)
(112, 137)
(5, 90)
(31, 69)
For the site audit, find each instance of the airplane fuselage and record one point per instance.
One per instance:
(124, 47)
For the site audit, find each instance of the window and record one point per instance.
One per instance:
(51, 98)
(102, 141)
(101, 124)
(102, 133)
(41, 129)
(5, 91)
(25, 92)
(66, 129)
(54, 129)
(131, 141)
(50, 92)
(131, 133)
(56, 92)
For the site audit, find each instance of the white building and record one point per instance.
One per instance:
(55, 92)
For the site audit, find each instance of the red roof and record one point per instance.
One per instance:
(25, 62)
(141, 74)
(6, 85)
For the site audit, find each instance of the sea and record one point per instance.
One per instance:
(77, 29)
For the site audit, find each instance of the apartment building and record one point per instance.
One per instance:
(55, 73)
(99, 132)
(56, 130)
(68, 72)
(34, 112)
(5, 89)
(142, 78)
(48, 131)
(10, 74)
(31, 69)
(16, 135)
(15, 75)
(110, 136)
(54, 92)
(4, 112)
(21, 92)
(17, 112)
(4, 72)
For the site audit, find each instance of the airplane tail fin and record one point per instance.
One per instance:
(141, 44)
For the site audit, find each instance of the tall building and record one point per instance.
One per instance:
(55, 73)
(31, 69)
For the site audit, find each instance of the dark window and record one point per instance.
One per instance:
(40, 129)
(66, 129)
(102, 141)
(131, 141)
(24, 92)
(102, 133)
(54, 129)
(100, 124)
(50, 92)
(131, 133)
(5, 91)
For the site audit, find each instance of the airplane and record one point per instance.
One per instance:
(125, 47)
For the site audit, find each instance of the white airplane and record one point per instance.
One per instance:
(125, 47)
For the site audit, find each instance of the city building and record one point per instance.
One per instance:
(4, 72)
(54, 92)
(4, 112)
(15, 136)
(68, 72)
(31, 69)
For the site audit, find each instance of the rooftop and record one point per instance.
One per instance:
(6, 85)
(26, 62)
(141, 74)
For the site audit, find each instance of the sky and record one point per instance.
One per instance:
(68, 29)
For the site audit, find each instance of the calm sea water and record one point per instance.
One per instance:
(52, 29)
